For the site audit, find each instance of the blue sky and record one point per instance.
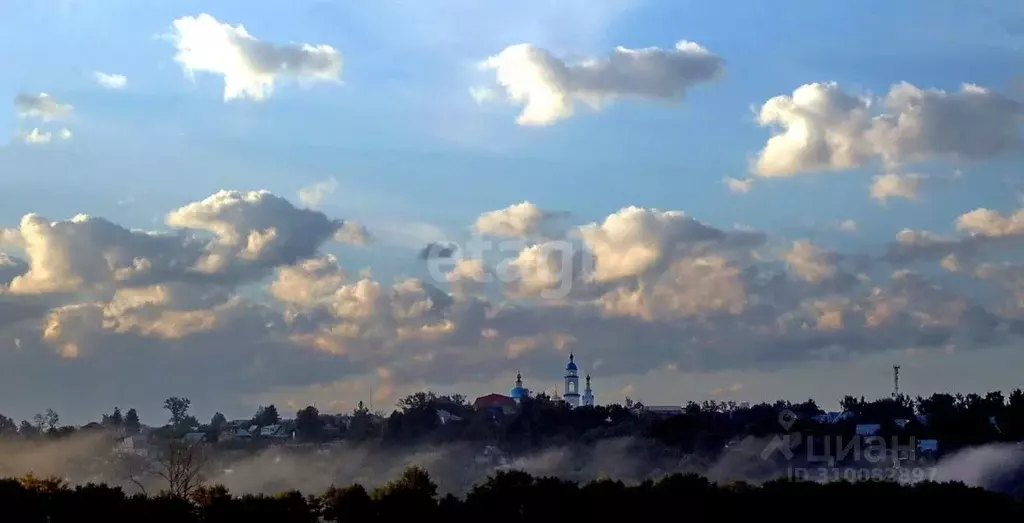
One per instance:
(386, 125)
(416, 159)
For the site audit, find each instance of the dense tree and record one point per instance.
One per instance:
(351, 503)
(8, 427)
(363, 425)
(27, 429)
(308, 424)
(413, 495)
(131, 421)
(115, 419)
(178, 408)
(266, 415)
(218, 421)
(47, 421)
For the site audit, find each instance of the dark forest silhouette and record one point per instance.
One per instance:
(507, 496)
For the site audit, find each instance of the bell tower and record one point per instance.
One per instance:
(572, 383)
(588, 394)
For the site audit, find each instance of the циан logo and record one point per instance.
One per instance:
(831, 449)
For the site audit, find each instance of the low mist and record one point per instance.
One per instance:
(85, 458)
(998, 467)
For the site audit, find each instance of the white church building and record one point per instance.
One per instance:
(571, 392)
(572, 386)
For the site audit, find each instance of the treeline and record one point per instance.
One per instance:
(508, 496)
(955, 420)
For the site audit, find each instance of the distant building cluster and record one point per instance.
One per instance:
(311, 426)
(570, 394)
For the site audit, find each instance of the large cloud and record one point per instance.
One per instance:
(548, 87)
(251, 232)
(158, 313)
(250, 67)
(820, 127)
(259, 228)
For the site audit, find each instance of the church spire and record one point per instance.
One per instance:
(519, 392)
(572, 383)
(588, 394)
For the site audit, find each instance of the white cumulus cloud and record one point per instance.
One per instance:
(739, 186)
(548, 87)
(820, 127)
(36, 137)
(250, 67)
(111, 81)
(887, 186)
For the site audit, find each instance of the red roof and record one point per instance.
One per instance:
(494, 400)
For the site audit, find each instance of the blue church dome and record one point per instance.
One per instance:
(572, 364)
(519, 391)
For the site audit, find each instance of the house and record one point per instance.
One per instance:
(928, 446)
(332, 430)
(496, 403)
(193, 438)
(444, 417)
(234, 434)
(868, 429)
(133, 445)
(275, 431)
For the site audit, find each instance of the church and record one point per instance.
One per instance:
(571, 391)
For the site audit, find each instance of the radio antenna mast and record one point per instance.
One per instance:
(895, 381)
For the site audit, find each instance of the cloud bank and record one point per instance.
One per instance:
(246, 294)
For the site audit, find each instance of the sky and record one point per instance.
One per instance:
(232, 201)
